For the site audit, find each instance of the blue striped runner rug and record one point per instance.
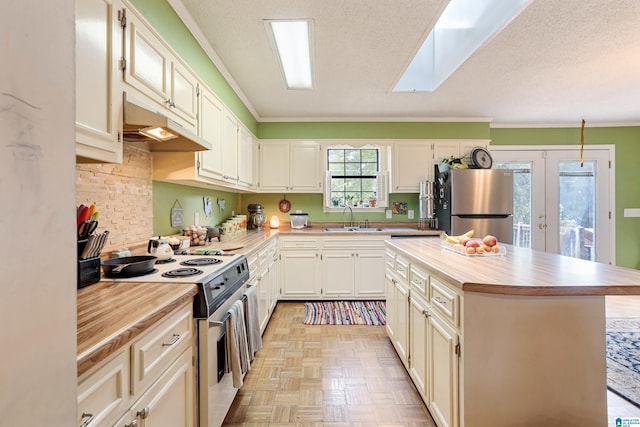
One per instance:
(345, 313)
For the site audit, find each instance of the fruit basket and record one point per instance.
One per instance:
(465, 245)
(462, 250)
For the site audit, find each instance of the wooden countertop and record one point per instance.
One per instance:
(521, 271)
(111, 314)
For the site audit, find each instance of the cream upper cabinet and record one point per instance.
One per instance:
(156, 73)
(210, 128)
(443, 149)
(246, 155)
(273, 166)
(229, 147)
(290, 166)
(412, 163)
(305, 167)
(98, 94)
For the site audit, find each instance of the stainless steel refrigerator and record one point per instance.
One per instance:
(478, 199)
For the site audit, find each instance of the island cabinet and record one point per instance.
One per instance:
(397, 294)
(98, 98)
(514, 339)
(149, 382)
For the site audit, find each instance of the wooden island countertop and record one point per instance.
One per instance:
(521, 271)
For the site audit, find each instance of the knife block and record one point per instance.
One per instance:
(88, 269)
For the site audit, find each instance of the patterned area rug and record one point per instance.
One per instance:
(345, 313)
(623, 358)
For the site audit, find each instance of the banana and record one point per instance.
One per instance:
(450, 239)
(467, 234)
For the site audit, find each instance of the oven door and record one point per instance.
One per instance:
(215, 386)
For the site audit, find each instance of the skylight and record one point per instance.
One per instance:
(292, 39)
(463, 27)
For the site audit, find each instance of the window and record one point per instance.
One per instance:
(354, 178)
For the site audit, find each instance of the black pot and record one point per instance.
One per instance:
(130, 266)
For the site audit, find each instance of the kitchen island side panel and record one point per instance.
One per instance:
(533, 361)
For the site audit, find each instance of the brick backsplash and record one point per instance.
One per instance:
(123, 195)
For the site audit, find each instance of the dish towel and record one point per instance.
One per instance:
(252, 318)
(237, 348)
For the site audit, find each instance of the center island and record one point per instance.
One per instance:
(502, 340)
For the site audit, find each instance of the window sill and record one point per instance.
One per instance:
(341, 209)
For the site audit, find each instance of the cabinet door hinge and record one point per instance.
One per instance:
(123, 64)
(198, 164)
(122, 17)
(457, 349)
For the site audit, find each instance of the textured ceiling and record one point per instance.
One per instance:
(558, 62)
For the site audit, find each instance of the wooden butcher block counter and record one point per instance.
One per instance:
(521, 271)
(503, 340)
(112, 313)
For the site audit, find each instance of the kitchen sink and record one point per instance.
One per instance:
(369, 230)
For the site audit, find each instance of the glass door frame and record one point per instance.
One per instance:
(543, 185)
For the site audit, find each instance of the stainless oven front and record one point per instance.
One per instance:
(215, 386)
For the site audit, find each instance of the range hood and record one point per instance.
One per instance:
(142, 124)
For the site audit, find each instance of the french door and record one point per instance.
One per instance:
(560, 204)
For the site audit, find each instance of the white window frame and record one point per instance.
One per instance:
(382, 193)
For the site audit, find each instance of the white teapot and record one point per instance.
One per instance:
(160, 248)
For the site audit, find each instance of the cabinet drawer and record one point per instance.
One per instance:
(390, 259)
(299, 244)
(104, 393)
(419, 281)
(159, 347)
(445, 300)
(402, 268)
(353, 242)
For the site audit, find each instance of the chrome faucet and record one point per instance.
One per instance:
(344, 223)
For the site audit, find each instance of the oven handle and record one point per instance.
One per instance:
(218, 323)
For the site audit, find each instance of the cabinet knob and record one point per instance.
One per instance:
(133, 423)
(143, 413)
(88, 420)
(440, 300)
(426, 313)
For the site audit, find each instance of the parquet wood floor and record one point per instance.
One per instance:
(312, 376)
(326, 375)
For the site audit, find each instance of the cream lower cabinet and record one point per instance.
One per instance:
(397, 291)
(263, 273)
(353, 268)
(150, 382)
(419, 344)
(300, 268)
(423, 323)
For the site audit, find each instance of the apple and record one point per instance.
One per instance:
(464, 240)
(472, 244)
(489, 240)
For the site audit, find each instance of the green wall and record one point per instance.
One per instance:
(166, 22)
(191, 200)
(627, 174)
(375, 130)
